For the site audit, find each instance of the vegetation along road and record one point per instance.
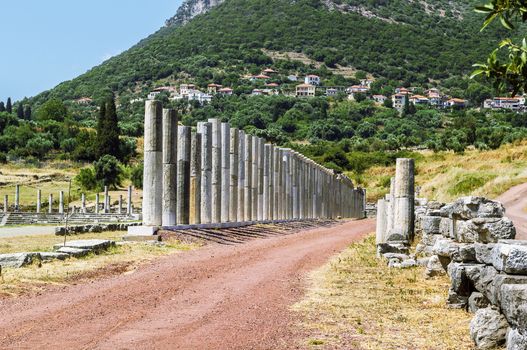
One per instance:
(217, 297)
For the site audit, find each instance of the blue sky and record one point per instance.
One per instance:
(46, 42)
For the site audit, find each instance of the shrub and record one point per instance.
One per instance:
(86, 179)
(136, 176)
(108, 171)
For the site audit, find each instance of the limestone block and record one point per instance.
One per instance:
(486, 277)
(446, 228)
(434, 267)
(516, 339)
(467, 208)
(456, 301)
(488, 329)
(396, 256)
(47, 256)
(18, 260)
(486, 230)
(484, 252)
(511, 259)
(513, 302)
(442, 247)
(477, 301)
(74, 252)
(462, 252)
(493, 291)
(431, 224)
(94, 245)
(464, 277)
(393, 247)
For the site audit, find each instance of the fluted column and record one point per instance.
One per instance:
(170, 130)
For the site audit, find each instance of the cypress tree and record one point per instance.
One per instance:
(27, 113)
(9, 106)
(2, 107)
(20, 111)
(108, 130)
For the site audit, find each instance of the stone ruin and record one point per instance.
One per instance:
(471, 241)
(220, 177)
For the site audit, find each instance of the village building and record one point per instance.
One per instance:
(399, 100)
(513, 103)
(456, 102)
(213, 88)
(84, 101)
(312, 79)
(419, 100)
(402, 90)
(332, 92)
(225, 91)
(380, 99)
(186, 89)
(366, 82)
(305, 90)
(260, 77)
(269, 71)
(358, 89)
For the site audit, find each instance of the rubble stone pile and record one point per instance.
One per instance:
(472, 241)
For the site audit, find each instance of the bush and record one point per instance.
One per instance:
(108, 171)
(137, 176)
(86, 179)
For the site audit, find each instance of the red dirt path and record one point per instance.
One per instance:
(515, 201)
(217, 297)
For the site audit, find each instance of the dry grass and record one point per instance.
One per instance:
(445, 176)
(120, 259)
(356, 302)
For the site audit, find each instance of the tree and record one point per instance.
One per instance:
(27, 113)
(137, 176)
(9, 106)
(86, 179)
(2, 107)
(511, 73)
(20, 111)
(52, 110)
(108, 130)
(108, 171)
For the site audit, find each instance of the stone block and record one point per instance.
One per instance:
(442, 247)
(434, 267)
(486, 230)
(47, 256)
(486, 277)
(489, 328)
(446, 228)
(484, 252)
(396, 256)
(467, 208)
(398, 248)
(18, 260)
(431, 224)
(516, 339)
(94, 245)
(493, 291)
(462, 252)
(74, 252)
(477, 301)
(513, 302)
(511, 259)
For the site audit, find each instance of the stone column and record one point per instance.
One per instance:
(120, 208)
(17, 198)
(294, 184)
(6, 203)
(106, 200)
(153, 164)
(287, 184)
(277, 160)
(225, 201)
(170, 140)
(381, 222)
(390, 199)
(255, 177)
(183, 175)
(205, 129)
(83, 203)
(50, 203)
(241, 176)
(195, 179)
(109, 204)
(61, 202)
(216, 170)
(261, 159)
(266, 182)
(97, 205)
(39, 201)
(270, 190)
(129, 209)
(233, 185)
(403, 223)
(248, 206)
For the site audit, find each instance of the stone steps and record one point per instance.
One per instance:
(59, 219)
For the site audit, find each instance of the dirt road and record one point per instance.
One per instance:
(515, 201)
(217, 297)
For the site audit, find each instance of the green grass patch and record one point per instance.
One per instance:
(467, 183)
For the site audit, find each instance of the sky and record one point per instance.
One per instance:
(45, 42)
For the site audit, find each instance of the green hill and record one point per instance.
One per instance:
(415, 42)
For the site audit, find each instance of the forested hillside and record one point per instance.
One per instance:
(415, 42)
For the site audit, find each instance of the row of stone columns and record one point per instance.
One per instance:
(219, 174)
(106, 205)
(395, 213)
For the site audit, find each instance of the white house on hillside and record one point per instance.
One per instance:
(312, 80)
